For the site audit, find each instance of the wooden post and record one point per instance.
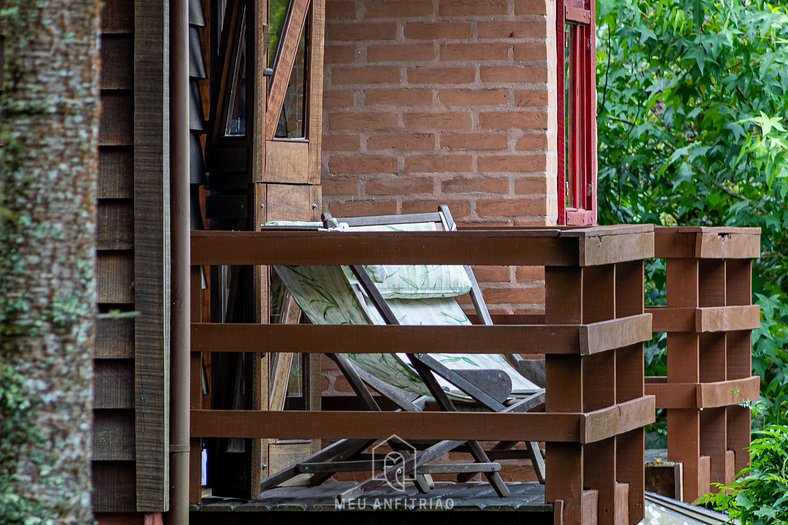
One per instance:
(708, 319)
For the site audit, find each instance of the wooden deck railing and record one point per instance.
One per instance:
(708, 318)
(593, 335)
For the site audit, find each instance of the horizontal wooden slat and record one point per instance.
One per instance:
(703, 395)
(708, 243)
(115, 277)
(618, 419)
(372, 425)
(728, 393)
(114, 383)
(117, 71)
(526, 247)
(117, 118)
(115, 224)
(728, 318)
(616, 333)
(671, 395)
(116, 172)
(524, 339)
(113, 435)
(304, 247)
(117, 482)
(707, 319)
(117, 17)
(115, 339)
(609, 249)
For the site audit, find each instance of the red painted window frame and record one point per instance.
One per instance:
(577, 174)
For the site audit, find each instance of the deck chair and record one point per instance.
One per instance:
(408, 295)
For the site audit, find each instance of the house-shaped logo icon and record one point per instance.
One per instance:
(394, 460)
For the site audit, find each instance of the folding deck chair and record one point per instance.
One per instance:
(408, 295)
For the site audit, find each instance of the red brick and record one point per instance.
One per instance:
(530, 52)
(498, 120)
(476, 184)
(449, 29)
(531, 222)
(341, 142)
(401, 53)
(346, 186)
(512, 163)
(340, 10)
(532, 142)
(473, 7)
(525, 274)
(533, 74)
(530, 186)
(402, 142)
(434, 121)
(359, 208)
(338, 99)
(473, 97)
(399, 186)
(531, 98)
(489, 274)
(441, 75)
(362, 121)
(341, 54)
(459, 208)
(398, 97)
(364, 75)
(362, 165)
(350, 32)
(397, 8)
(474, 51)
(474, 141)
(511, 207)
(534, 7)
(518, 29)
(514, 295)
(438, 164)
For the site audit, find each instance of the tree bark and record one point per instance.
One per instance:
(48, 172)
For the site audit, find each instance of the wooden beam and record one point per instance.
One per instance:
(151, 253)
(609, 335)
(364, 339)
(707, 319)
(490, 247)
(708, 243)
(292, 424)
(617, 419)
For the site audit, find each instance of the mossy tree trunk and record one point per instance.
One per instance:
(48, 171)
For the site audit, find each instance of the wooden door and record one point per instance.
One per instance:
(264, 163)
(288, 188)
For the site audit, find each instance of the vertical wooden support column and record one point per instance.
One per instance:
(564, 476)
(629, 385)
(738, 353)
(195, 397)
(708, 318)
(599, 459)
(684, 367)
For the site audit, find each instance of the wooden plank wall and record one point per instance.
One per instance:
(131, 412)
(114, 459)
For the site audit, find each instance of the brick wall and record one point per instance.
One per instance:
(430, 101)
(444, 101)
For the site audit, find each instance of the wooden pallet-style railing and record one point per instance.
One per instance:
(592, 337)
(709, 318)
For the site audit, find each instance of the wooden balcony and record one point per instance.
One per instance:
(592, 335)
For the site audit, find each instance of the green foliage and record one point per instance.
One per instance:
(760, 496)
(692, 130)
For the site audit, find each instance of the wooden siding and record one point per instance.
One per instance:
(131, 423)
(113, 436)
